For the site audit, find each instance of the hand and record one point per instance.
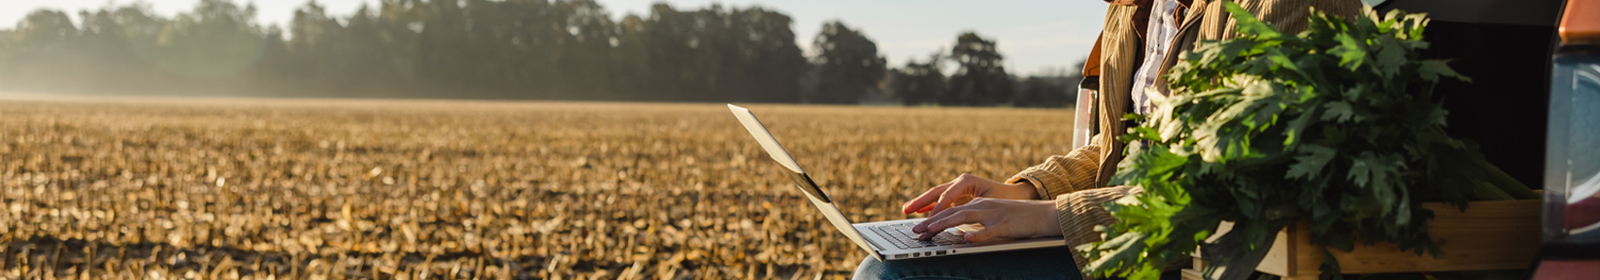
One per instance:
(965, 188)
(1001, 218)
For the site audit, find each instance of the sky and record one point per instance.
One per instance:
(1034, 35)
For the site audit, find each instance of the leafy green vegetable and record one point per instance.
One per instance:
(1336, 126)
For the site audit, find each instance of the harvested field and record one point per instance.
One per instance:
(335, 189)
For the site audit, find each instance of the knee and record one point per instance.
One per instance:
(871, 269)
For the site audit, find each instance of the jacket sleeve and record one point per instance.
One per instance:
(1070, 180)
(1079, 212)
(1063, 174)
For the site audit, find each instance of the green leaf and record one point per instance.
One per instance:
(1391, 55)
(1350, 51)
(1436, 115)
(1431, 70)
(1310, 161)
(1338, 111)
(1247, 23)
(1360, 174)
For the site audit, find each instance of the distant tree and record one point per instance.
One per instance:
(41, 51)
(583, 63)
(8, 43)
(847, 64)
(217, 39)
(631, 62)
(715, 54)
(276, 67)
(768, 58)
(980, 79)
(315, 53)
(370, 67)
(1049, 88)
(144, 30)
(919, 82)
(46, 27)
(105, 49)
(1042, 91)
(518, 49)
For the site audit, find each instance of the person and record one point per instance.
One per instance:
(1063, 196)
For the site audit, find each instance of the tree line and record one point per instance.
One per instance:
(510, 49)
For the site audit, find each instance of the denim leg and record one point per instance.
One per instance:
(1043, 263)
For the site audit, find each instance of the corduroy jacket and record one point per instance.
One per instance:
(1078, 181)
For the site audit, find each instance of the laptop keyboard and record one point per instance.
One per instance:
(901, 236)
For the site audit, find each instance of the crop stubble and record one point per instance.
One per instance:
(331, 189)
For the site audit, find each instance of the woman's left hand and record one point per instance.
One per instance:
(1001, 218)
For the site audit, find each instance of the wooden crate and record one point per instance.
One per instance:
(1489, 235)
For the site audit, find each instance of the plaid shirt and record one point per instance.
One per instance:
(1163, 25)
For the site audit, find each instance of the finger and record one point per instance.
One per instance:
(923, 226)
(925, 200)
(960, 217)
(957, 218)
(958, 193)
(983, 235)
(976, 204)
(925, 209)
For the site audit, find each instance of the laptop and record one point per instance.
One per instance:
(886, 240)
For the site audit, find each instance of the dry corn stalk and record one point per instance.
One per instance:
(285, 189)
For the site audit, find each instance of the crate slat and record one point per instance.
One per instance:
(1489, 235)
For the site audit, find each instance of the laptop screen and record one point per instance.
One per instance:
(776, 151)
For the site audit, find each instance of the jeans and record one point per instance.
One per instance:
(1042, 263)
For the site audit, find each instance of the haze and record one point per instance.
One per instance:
(1034, 35)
